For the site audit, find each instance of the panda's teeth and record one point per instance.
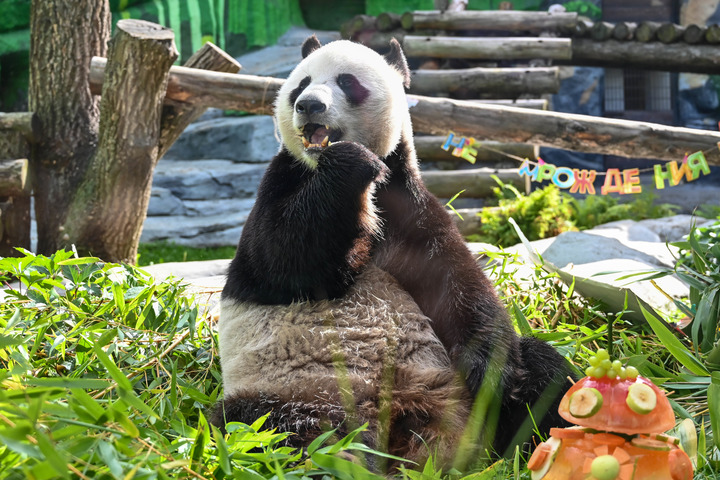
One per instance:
(306, 144)
(324, 143)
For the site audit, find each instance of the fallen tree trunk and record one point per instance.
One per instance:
(476, 183)
(15, 189)
(509, 82)
(495, 20)
(437, 116)
(677, 57)
(497, 48)
(429, 149)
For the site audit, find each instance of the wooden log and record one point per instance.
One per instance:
(491, 20)
(477, 182)
(693, 34)
(535, 103)
(646, 31)
(15, 188)
(670, 33)
(508, 82)
(175, 118)
(581, 133)
(108, 211)
(712, 34)
(676, 57)
(601, 31)
(357, 24)
(624, 31)
(378, 41)
(437, 116)
(14, 178)
(248, 93)
(429, 149)
(582, 28)
(504, 48)
(27, 123)
(387, 21)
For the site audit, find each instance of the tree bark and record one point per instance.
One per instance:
(13, 177)
(65, 34)
(495, 20)
(581, 133)
(504, 82)
(504, 48)
(26, 123)
(675, 57)
(477, 182)
(429, 149)
(175, 118)
(106, 216)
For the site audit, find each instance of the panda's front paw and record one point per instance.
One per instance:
(352, 156)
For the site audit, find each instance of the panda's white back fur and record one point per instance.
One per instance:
(377, 124)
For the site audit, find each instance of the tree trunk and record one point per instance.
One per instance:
(65, 35)
(107, 213)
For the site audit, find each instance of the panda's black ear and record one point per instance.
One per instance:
(396, 58)
(310, 45)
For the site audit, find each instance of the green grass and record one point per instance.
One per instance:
(106, 375)
(163, 252)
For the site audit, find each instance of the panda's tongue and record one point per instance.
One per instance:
(319, 135)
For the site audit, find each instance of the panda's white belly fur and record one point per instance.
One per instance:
(304, 350)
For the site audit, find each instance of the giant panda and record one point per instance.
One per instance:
(352, 297)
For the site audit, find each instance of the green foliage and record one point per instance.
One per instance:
(105, 374)
(162, 252)
(543, 213)
(548, 211)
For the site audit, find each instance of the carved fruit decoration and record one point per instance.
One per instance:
(621, 418)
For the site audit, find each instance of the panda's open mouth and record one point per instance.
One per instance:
(319, 136)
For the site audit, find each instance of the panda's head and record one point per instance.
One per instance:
(343, 91)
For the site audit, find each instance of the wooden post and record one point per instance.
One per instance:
(506, 124)
(495, 20)
(670, 33)
(14, 194)
(693, 34)
(108, 210)
(601, 31)
(387, 21)
(505, 48)
(175, 118)
(25, 123)
(712, 34)
(624, 31)
(502, 82)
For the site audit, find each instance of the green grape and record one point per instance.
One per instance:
(617, 365)
(606, 364)
(622, 374)
(593, 361)
(611, 373)
(598, 372)
(589, 371)
(632, 372)
(602, 354)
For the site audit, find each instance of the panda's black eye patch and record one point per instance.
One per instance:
(298, 90)
(355, 92)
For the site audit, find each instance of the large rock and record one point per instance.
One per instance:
(207, 231)
(208, 179)
(248, 139)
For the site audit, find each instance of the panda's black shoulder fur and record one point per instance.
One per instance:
(310, 230)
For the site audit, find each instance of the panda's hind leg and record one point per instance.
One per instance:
(542, 379)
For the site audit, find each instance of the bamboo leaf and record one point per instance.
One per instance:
(674, 346)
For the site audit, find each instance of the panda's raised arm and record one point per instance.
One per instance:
(285, 253)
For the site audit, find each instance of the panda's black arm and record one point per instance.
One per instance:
(310, 231)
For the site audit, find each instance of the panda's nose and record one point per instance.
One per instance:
(310, 106)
